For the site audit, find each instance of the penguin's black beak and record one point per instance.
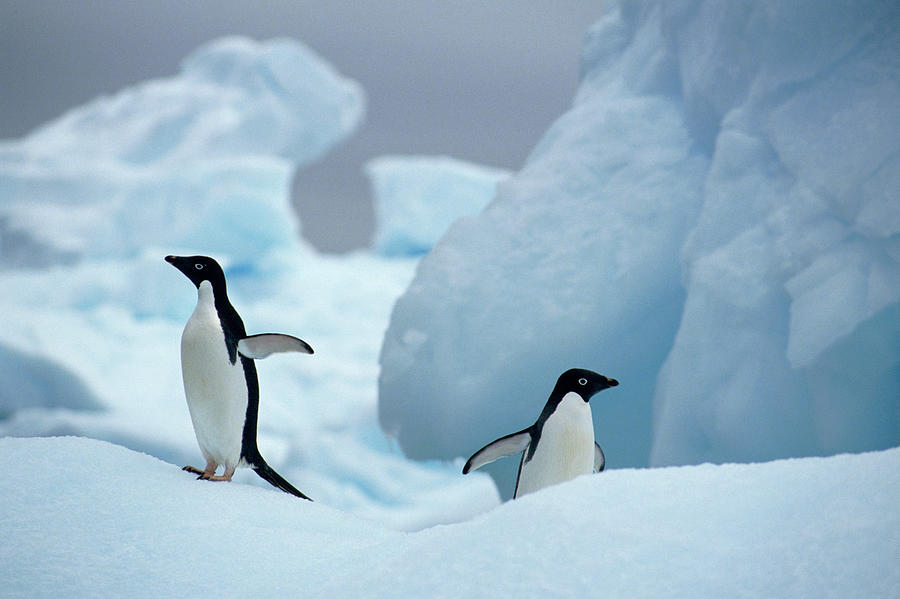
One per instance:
(179, 263)
(611, 382)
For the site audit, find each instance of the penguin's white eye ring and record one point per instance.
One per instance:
(198, 266)
(582, 381)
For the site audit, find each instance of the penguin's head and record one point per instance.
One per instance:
(199, 269)
(585, 383)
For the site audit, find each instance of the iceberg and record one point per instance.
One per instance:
(417, 198)
(714, 223)
(177, 162)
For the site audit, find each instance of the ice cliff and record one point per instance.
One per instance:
(715, 223)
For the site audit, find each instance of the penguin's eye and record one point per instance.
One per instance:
(582, 381)
(199, 266)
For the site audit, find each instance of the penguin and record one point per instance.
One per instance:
(560, 445)
(219, 375)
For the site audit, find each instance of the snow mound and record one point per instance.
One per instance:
(417, 198)
(125, 524)
(714, 223)
(34, 381)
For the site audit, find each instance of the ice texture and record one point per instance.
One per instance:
(83, 518)
(715, 223)
(178, 161)
(417, 198)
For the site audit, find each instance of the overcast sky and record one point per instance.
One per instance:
(477, 80)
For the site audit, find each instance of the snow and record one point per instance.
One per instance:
(86, 518)
(200, 163)
(417, 198)
(714, 223)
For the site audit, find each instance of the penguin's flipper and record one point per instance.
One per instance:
(257, 347)
(502, 447)
(599, 458)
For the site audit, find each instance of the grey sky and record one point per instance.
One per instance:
(477, 80)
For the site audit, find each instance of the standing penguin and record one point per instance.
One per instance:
(560, 445)
(220, 382)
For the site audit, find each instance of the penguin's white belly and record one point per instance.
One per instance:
(215, 389)
(565, 449)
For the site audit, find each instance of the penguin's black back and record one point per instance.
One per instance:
(234, 330)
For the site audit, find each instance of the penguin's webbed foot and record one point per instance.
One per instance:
(215, 477)
(210, 469)
(211, 475)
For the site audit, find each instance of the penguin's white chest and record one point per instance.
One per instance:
(215, 389)
(565, 449)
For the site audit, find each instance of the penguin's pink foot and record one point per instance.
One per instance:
(210, 470)
(225, 476)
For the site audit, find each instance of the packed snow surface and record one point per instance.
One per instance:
(715, 223)
(84, 518)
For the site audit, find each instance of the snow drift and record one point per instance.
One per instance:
(714, 223)
(86, 518)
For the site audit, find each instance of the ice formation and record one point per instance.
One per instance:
(715, 223)
(417, 198)
(178, 161)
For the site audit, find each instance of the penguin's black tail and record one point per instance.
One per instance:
(276, 480)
